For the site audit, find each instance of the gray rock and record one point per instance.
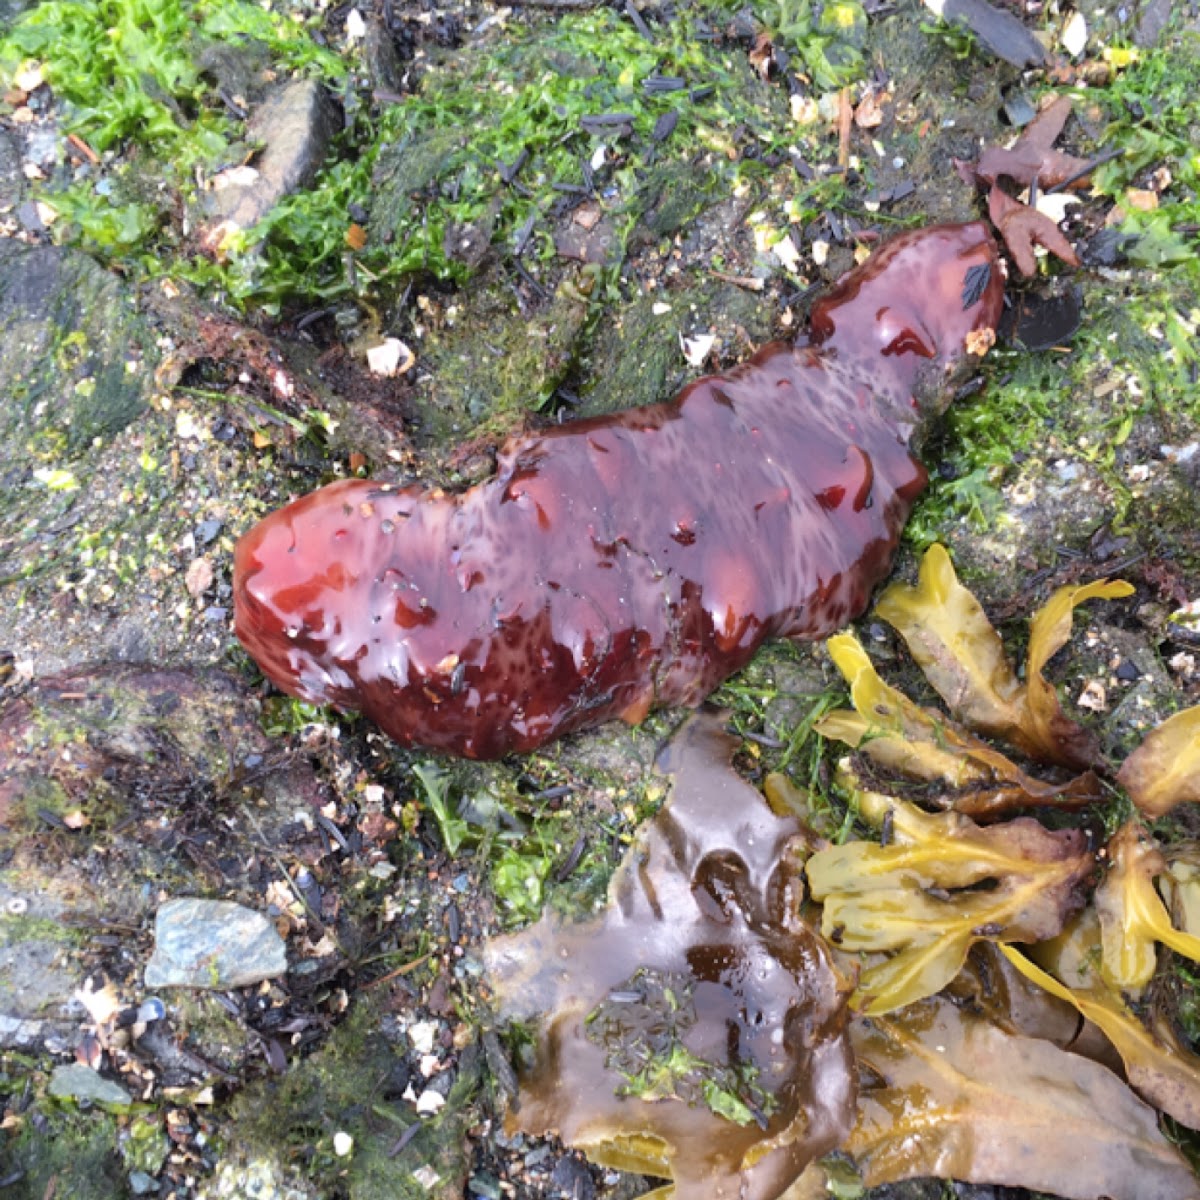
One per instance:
(36, 979)
(1152, 21)
(12, 179)
(383, 64)
(294, 126)
(70, 348)
(999, 31)
(14, 1031)
(74, 1081)
(213, 944)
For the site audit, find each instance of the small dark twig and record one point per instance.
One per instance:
(639, 22)
(1091, 165)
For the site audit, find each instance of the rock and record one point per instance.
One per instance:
(10, 10)
(294, 126)
(12, 179)
(76, 366)
(213, 944)
(35, 985)
(382, 62)
(136, 732)
(1153, 20)
(68, 331)
(405, 169)
(262, 1178)
(74, 1081)
(999, 31)
(487, 387)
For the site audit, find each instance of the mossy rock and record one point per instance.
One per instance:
(76, 366)
(72, 1154)
(341, 1089)
(635, 357)
(496, 365)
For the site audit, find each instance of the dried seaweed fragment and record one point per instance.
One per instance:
(1032, 155)
(696, 1030)
(1030, 160)
(958, 1097)
(942, 884)
(1165, 769)
(960, 653)
(1023, 227)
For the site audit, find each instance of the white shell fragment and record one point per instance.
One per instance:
(1075, 34)
(390, 358)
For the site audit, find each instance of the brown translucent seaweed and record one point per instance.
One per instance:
(755, 1080)
(637, 559)
(954, 1096)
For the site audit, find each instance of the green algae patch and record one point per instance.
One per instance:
(72, 1153)
(350, 1087)
(494, 365)
(636, 358)
(1024, 461)
(129, 70)
(560, 108)
(144, 75)
(501, 140)
(1112, 414)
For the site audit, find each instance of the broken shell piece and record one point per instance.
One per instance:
(390, 358)
(697, 349)
(1075, 34)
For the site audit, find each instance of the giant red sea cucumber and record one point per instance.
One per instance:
(635, 559)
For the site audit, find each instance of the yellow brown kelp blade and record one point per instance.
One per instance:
(949, 1094)
(1165, 769)
(923, 744)
(941, 884)
(961, 654)
(1133, 917)
(1157, 1067)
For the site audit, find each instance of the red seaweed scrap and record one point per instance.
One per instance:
(637, 559)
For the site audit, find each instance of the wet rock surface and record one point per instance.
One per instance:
(77, 1082)
(213, 944)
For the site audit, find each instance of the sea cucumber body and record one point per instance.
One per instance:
(631, 560)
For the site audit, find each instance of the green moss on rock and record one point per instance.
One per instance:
(342, 1088)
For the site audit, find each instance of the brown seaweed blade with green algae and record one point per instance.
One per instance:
(697, 1029)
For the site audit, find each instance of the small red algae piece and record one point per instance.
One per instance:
(636, 559)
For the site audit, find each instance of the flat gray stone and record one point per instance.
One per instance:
(998, 31)
(294, 126)
(74, 1081)
(213, 944)
(37, 977)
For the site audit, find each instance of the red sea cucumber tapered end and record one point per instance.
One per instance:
(635, 559)
(925, 303)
